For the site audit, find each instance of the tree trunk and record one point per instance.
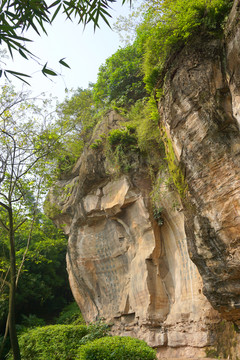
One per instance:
(12, 292)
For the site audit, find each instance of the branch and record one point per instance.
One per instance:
(4, 206)
(19, 225)
(29, 236)
(5, 197)
(5, 337)
(3, 225)
(4, 282)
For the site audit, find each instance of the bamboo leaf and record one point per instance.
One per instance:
(62, 62)
(23, 54)
(56, 12)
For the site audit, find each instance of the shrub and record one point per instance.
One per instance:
(95, 331)
(125, 137)
(55, 342)
(71, 315)
(122, 149)
(116, 348)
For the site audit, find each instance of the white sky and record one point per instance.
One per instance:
(84, 51)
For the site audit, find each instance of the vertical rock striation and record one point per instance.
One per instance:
(200, 111)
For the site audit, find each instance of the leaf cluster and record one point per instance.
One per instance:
(77, 116)
(120, 80)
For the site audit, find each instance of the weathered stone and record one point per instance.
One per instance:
(123, 266)
(200, 110)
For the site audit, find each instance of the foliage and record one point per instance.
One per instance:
(122, 148)
(26, 146)
(16, 17)
(120, 80)
(144, 117)
(51, 342)
(176, 174)
(76, 120)
(32, 321)
(124, 137)
(71, 315)
(59, 341)
(43, 270)
(97, 144)
(170, 24)
(157, 214)
(96, 330)
(116, 348)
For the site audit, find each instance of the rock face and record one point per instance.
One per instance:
(128, 268)
(201, 113)
(122, 265)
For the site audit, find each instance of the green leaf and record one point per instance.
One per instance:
(17, 73)
(54, 3)
(23, 54)
(47, 71)
(56, 12)
(62, 62)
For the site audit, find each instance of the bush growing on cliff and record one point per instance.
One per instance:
(168, 25)
(122, 148)
(116, 348)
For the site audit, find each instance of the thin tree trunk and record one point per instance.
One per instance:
(4, 340)
(12, 293)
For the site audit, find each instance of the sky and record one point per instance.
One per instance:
(84, 51)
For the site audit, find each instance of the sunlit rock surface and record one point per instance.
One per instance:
(122, 265)
(201, 112)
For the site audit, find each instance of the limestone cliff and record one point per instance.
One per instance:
(200, 110)
(171, 282)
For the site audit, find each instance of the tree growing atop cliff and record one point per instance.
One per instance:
(25, 145)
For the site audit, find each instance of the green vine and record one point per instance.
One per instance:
(176, 174)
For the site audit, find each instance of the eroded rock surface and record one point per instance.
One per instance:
(201, 113)
(122, 265)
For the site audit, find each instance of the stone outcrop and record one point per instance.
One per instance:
(176, 282)
(201, 114)
(125, 267)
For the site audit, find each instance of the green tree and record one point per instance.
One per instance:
(76, 118)
(16, 17)
(24, 145)
(120, 79)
